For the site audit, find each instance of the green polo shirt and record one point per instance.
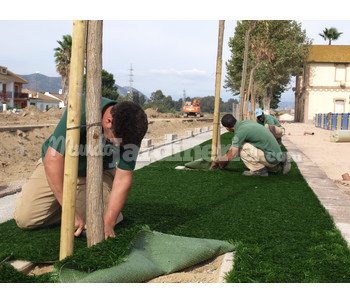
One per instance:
(270, 121)
(248, 131)
(112, 156)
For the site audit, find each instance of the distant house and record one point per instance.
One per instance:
(325, 84)
(44, 101)
(11, 92)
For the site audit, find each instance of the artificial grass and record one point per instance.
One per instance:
(284, 233)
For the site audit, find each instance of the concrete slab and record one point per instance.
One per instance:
(7, 207)
(226, 266)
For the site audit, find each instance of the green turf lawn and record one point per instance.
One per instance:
(282, 231)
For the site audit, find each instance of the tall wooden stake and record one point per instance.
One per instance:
(72, 138)
(242, 96)
(94, 192)
(216, 125)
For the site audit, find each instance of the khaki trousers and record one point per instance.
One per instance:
(254, 158)
(278, 130)
(36, 205)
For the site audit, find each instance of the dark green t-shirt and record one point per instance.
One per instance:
(270, 121)
(112, 156)
(248, 131)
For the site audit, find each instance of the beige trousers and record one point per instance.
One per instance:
(36, 205)
(278, 130)
(254, 158)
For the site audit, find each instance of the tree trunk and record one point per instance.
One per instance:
(72, 139)
(244, 70)
(253, 102)
(65, 88)
(250, 87)
(216, 122)
(94, 192)
(267, 100)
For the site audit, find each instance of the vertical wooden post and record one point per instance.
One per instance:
(216, 125)
(72, 138)
(94, 192)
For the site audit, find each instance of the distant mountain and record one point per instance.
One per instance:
(42, 83)
(123, 91)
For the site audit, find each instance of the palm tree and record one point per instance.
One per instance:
(62, 60)
(330, 34)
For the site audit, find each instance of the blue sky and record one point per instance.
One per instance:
(169, 54)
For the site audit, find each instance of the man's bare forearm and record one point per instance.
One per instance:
(54, 169)
(119, 194)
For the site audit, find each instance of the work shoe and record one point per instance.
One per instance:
(261, 172)
(285, 163)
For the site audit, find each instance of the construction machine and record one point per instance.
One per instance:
(192, 108)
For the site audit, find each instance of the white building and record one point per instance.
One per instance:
(11, 92)
(324, 86)
(44, 101)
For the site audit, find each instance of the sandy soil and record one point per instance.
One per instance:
(20, 150)
(205, 272)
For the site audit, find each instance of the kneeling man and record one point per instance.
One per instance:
(256, 146)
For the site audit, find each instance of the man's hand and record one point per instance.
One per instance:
(214, 164)
(223, 165)
(109, 231)
(79, 225)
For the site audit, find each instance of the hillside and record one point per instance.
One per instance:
(42, 83)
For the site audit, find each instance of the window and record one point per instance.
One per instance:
(340, 73)
(339, 106)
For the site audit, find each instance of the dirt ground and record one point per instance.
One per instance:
(20, 150)
(205, 272)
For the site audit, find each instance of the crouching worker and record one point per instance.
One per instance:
(256, 146)
(39, 203)
(271, 123)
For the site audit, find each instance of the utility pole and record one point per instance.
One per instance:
(184, 98)
(216, 126)
(130, 84)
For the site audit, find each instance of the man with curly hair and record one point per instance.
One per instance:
(124, 125)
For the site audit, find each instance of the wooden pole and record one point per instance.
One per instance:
(72, 138)
(94, 192)
(242, 96)
(216, 125)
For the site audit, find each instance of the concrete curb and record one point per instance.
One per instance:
(336, 202)
(143, 150)
(226, 266)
